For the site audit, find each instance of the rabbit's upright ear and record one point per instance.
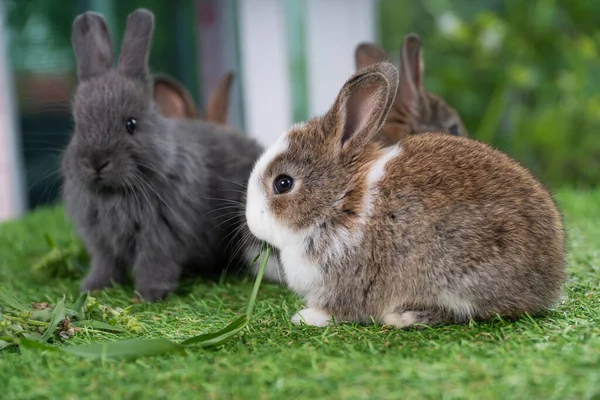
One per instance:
(135, 48)
(368, 54)
(218, 103)
(92, 46)
(411, 89)
(362, 106)
(172, 98)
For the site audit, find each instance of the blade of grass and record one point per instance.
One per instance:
(43, 316)
(125, 349)
(11, 300)
(58, 314)
(259, 276)
(32, 336)
(4, 344)
(98, 325)
(260, 251)
(25, 320)
(80, 302)
(214, 338)
(145, 347)
(32, 344)
(151, 347)
(49, 240)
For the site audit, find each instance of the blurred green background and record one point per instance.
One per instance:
(44, 71)
(524, 75)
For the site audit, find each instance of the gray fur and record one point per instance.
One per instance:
(135, 49)
(161, 204)
(92, 46)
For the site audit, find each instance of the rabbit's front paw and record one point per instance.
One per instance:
(93, 283)
(155, 281)
(100, 278)
(156, 293)
(311, 316)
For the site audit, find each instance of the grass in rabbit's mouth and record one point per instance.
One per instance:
(555, 356)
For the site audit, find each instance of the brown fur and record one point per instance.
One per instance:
(415, 109)
(307, 159)
(173, 100)
(457, 230)
(218, 102)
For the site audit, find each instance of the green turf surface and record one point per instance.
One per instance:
(553, 356)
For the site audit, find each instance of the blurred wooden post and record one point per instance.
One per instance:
(296, 55)
(12, 198)
(217, 51)
(295, 23)
(265, 69)
(185, 44)
(333, 29)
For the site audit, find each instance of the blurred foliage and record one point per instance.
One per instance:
(40, 28)
(42, 58)
(47, 23)
(174, 40)
(524, 75)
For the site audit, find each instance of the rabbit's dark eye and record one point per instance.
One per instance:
(283, 184)
(130, 125)
(453, 130)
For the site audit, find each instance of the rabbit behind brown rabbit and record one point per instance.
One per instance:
(434, 229)
(158, 195)
(173, 100)
(415, 109)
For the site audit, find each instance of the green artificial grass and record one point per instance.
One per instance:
(555, 356)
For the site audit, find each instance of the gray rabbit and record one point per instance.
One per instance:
(161, 196)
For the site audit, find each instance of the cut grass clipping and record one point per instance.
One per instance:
(32, 326)
(39, 322)
(70, 261)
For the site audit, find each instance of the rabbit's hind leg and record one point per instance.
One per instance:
(407, 318)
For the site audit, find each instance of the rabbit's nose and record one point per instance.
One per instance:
(101, 167)
(99, 164)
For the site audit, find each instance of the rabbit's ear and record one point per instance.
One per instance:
(172, 98)
(135, 48)
(218, 103)
(368, 54)
(92, 45)
(411, 87)
(362, 106)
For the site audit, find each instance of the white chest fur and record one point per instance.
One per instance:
(301, 274)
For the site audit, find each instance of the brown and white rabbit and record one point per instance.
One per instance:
(415, 109)
(173, 100)
(435, 229)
